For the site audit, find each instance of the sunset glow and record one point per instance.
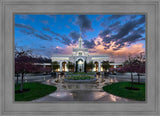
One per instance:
(117, 36)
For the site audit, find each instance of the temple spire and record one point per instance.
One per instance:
(80, 32)
(80, 44)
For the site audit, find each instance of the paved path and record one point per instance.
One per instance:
(78, 95)
(81, 92)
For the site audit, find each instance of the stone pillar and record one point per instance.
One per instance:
(99, 66)
(44, 66)
(66, 68)
(60, 66)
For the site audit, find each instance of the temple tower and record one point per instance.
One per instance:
(80, 42)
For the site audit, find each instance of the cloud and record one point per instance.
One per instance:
(129, 40)
(45, 22)
(99, 17)
(70, 20)
(84, 23)
(67, 26)
(115, 17)
(57, 50)
(74, 35)
(31, 31)
(104, 33)
(141, 20)
(129, 32)
(129, 26)
(103, 24)
(117, 23)
(126, 28)
(112, 51)
(67, 50)
(26, 17)
(44, 37)
(19, 25)
(64, 39)
(26, 32)
(53, 16)
(89, 43)
(140, 30)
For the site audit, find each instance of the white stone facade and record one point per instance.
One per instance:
(79, 55)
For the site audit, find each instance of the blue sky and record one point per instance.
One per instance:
(47, 35)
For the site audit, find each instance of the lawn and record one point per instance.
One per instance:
(119, 89)
(35, 90)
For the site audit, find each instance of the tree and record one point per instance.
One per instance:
(76, 66)
(106, 65)
(17, 71)
(55, 65)
(23, 64)
(112, 70)
(70, 66)
(140, 66)
(90, 65)
(121, 69)
(85, 66)
(130, 65)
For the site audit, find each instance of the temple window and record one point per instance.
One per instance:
(80, 53)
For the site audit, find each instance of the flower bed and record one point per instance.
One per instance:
(80, 73)
(80, 79)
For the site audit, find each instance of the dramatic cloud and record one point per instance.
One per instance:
(44, 37)
(115, 26)
(115, 17)
(104, 33)
(31, 31)
(74, 35)
(129, 40)
(125, 30)
(129, 33)
(89, 43)
(120, 53)
(67, 50)
(113, 35)
(84, 23)
(25, 27)
(64, 39)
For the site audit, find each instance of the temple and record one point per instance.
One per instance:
(79, 58)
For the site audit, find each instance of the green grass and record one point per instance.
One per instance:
(36, 90)
(119, 89)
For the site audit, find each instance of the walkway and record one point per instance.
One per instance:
(81, 92)
(78, 95)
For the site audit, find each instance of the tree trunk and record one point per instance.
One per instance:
(76, 66)
(138, 78)
(22, 82)
(131, 80)
(17, 79)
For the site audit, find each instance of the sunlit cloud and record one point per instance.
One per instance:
(123, 52)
